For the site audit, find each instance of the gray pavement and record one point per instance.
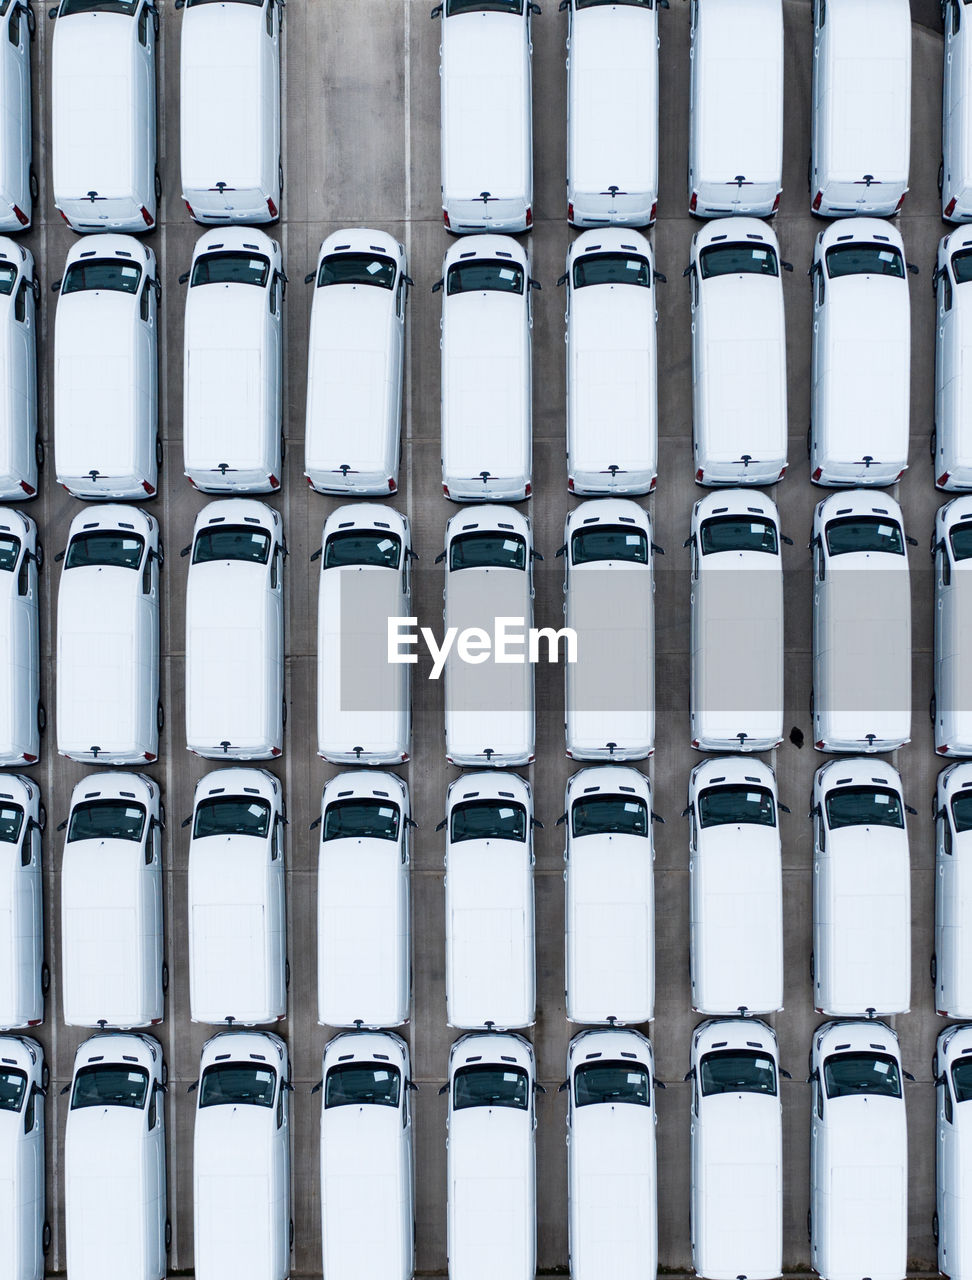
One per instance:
(361, 147)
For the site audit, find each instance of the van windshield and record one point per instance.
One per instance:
(864, 533)
(358, 268)
(237, 1083)
(362, 546)
(192, 3)
(231, 816)
(483, 6)
(611, 268)
(105, 549)
(962, 266)
(489, 1085)
(229, 542)
(738, 259)
(864, 807)
(101, 273)
(609, 815)
(638, 4)
(853, 1073)
(110, 1085)
(722, 806)
(11, 820)
(962, 1079)
(13, 1086)
(962, 811)
(739, 533)
(611, 1082)
(485, 275)
(69, 7)
(607, 542)
(106, 820)
(737, 1071)
(363, 1082)
(9, 552)
(864, 260)
(8, 277)
(230, 268)
(960, 536)
(488, 820)
(361, 820)
(488, 551)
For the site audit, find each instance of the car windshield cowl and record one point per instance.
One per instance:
(609, 815)
(488, 820)
(232, 815)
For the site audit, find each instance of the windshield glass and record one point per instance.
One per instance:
(616, 815)
(109, 1085)
(191, 3)
(738, 533)
(487, 551)
(111, 550)
(606, 542)
(737, 1071)
(11, 820)
(230, 268)
(487, 1085)
(960, 537)
(358, 268)
(962, 811)
(13, 1086)
(611, 1082)
(238, 1083)
(864, 533)
(8, 277)
(851, 1073)
(69, 7)
(9, 552)
(719, 806)
(229, 542)
(962, 1079)
(361, 819)
(362, 546)
(106, 820)
(611, 268)
(962, 266)
(488, 820)
(483, 6)
(101, 273)
(864, 806)
(738, 259)
(481, 275)
(593, 4)
(363, 1082)
(231, 816)
(864, 260)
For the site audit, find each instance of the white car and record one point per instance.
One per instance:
(24, 975)
(24, 1077)
(951, 442)
(952, 1073)
(18, 181)
(951, 705)
(21, 448)
(22, 717)
(951, 965)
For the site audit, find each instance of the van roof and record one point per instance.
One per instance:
(365, 782)
(236, 1196)
(607, 779)
(361, 239)
(365, 515)
(492, 1192)
(489, 786)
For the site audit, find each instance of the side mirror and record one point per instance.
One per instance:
(785, 1074)
(59, 557)
(410, 284)
(67, 1086)
(443, 1088)
(411, 824)
(535, 284)
(908, 1076)
(535, 555)
(787, 266)
(659, 551)
(315, 824)
(661, 279)
(782, 807)
(52, 13)
(561, 551)
(61, 826)
(184, 278)
(912, 269)
(412, 1087)
(185, 822)
(561, 820)
(56, 287)
(317, 554)
(185, 550)
(439, 558)
(535, 822)
(309, 277)
(563, 1085)
(436, 12)
(912, 542)
(537, 1086)
(687, 271)
(562, 279)
(688, 1076)
(535, 8)
(686, 811)
(317, 1087)
(440, 826)
(663, 4)
(909, 809)
(788, 541)
(660, 1084)
(656, 817)
(437, 286)
(687, 542)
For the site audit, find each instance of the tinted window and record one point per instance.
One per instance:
(8, 276)
(738, 259)
(11, 821)
(488, 820)
(962, 811)
(101, 273)
(483, 274)
(231, 268)
(230, 542)
(358, 268)
(618, 815)
(611, 1082)
(961, 539)
(361, 820)
(864, 806)
(962, 266)
(487, 1085)
(607, 543)
(69, 7)
(237, 1082)
(362, 546)
(483, 6)
(114, 550)
(638, 4)
(718, 806)
(108, 1085)
(107, 820)
(487, 551)
(363, 1082)
(611, 268)
(231, 816)
(9, 552)
(864, 260)
(864, 533)
(13, 1086)
(737, 1071)
(738, 533)
(962, 1079)
(190, 4)
(851, 1073)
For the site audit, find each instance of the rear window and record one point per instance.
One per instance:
(863, 806)
(486, 275)
(11, 821)
(363, 1082)
(358, 268)
(237, 1083)
(483, 6)
(611, 815)
(488, 820)
(362, 819)
(738, 259)
(101, 273)
(229, 542)
(106, 820)
(8, 277)
(737, 1071)
(230, 268)
(9, 552)
(864, 260)
(13, 1086)
(864, 533)
(624, 1082)
(962, 266)
(363, 546)
(231, 816)
(612, 268)
(608, 543)
(962, 811)
(722, 806)
(962, 1079)
(109, 1085)
(106, 549)
(855, 1073)
(487, 1085)
(487, 551)
(69, 7)
(738, 533)
(960, 536)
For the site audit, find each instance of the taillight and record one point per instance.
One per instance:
(445, 219)
(898, 476)
(392, 486)
(570, 484)
(950, 207)
(29, 759)
(782, 473)
(272, 207)
(776, 202)
(189, 207)
(819, 745)
(570, 211)
(28, 488)
(528, 490)
(531, 758)
(20, 215)
(445, 490)
(694, 202)
(64, 216)
(149, 757)
(897, 207)
(698, 476)
(817, 202)
(817, 473)
(65, 488)
(310, 482)
(942, 480)
(404, 757)
(275, 751)
(529, 217)
(147, 217)
(943, 751)
(695, 743)
(274, 482)
(149, 489)
(654, 210)
(569, 755)
(192, 482)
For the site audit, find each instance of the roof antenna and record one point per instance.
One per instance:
(102, 1023)
(613, 189)
(92, 196)
(870, 738)
(344, 468)
(612, 747)
(611, 1019)
(739, 179)
(484, 196)
(229, 1020)
(225, 744)
(220, 187)
(357, 751)
(222, 468)
(489, 752)
(746, 459)
(484, 476)
(359, 1024)
(742, 738)
(868, 179)
(871, 1012)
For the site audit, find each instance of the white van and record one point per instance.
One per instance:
(112, 970)
(738, 354)
(241, 1159)
(18, 181)
(490, 969)
(860, 400)
(955, 175)
(951, 443)
(487, 380)
(612, 361)
(108, 708)
(736, 108)
(737, 622)
(612, 1181)
(22, 717)
(952, 1073)
(367, 1159)
(491, 1158)
(609, 590)
(609, 896)
(103, 141)
(364, 702)
(951, 965)
(24, 1077)
(612, 112)
(355, 364)
(363, 935)
(735, 887)
(114, 1161)
(24, 976)
(861, 958)
(861, 110)
(861, 694)
(951, 706)
(858, 1153)
(486, 98)
(737, 1151)
(229, 110)
(237, 899)
(489, 706)
(106, 408)
(235, 632)
(21, 449)
(232, 393)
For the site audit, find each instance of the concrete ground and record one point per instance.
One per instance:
(361, 147)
